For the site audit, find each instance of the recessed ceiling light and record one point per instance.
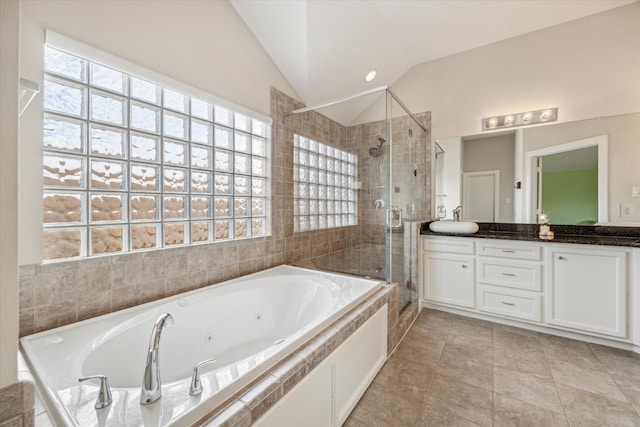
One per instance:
(370, 76)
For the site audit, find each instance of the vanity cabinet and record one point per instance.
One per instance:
(573, 287)
(449, 272)
(588, 290)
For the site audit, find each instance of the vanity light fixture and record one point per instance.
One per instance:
(370, 76)
(520, 119)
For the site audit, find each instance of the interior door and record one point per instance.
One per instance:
(481, 195)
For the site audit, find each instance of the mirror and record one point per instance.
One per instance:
(580, 173)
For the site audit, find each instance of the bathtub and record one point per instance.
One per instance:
(248, 324)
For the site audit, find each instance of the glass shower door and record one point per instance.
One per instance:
(406, 193)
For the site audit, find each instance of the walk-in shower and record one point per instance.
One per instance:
(389, 149)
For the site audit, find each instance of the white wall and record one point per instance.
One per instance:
(204, 44)
(9, 34)
(588, 68)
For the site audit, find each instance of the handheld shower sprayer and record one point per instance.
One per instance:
(377, 150)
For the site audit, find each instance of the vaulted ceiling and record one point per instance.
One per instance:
(326, 47)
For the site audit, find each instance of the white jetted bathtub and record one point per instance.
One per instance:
(248, 324)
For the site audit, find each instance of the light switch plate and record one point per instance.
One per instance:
(635, 192)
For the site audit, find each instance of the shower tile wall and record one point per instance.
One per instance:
(366, 241)
(357, 249)
(301, 248)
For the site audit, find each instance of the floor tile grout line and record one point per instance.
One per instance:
(555, 385)
(548, 356)
(637, 410)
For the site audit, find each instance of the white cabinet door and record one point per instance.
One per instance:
(587, 290)
(449, 279)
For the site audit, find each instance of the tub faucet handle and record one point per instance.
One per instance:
(104, 395)
(196, 386)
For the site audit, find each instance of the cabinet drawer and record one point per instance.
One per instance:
(501, 249)
(512, 303)
(513, 274)
(456, 245)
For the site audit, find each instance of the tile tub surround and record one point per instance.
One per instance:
(454, 370)
(578, 234)
(250, 403)
(17, 403)
(58, 294)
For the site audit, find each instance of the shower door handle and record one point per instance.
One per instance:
(394, 211)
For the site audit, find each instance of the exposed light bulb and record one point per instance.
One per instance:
(493, 122)
(526, 117)
(370, 76)
(508, 120)
(545, 115)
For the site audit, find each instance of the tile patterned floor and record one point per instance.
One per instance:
(456, 371)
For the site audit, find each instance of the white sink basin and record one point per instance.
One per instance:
(454, 227)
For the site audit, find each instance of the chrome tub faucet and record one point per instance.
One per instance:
(151, 383)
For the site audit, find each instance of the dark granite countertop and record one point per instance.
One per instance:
(578, 234)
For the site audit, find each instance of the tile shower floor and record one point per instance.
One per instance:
(451, 370)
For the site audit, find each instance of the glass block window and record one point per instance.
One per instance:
(324, 186)
(131, 165)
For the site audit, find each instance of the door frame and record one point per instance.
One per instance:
(530, 184)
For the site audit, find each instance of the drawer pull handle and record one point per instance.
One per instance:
(561, 258)
(509, 251)
(509, 274)
(507, 303)
(464, 265)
